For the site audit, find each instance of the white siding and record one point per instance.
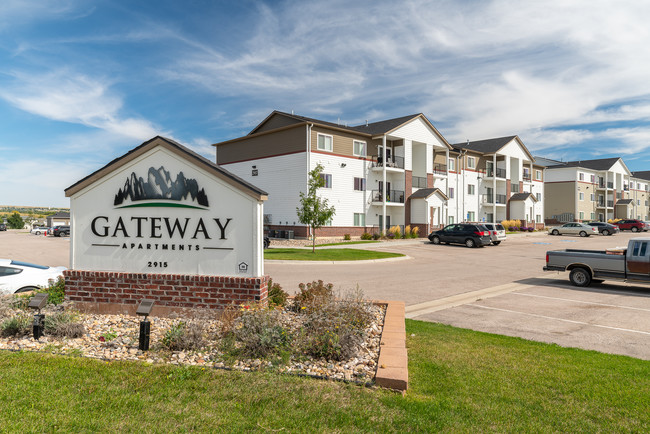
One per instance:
(417, 130)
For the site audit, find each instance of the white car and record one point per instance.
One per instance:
(582, 229)
(38, 231)
(18, 276)
(497, 232)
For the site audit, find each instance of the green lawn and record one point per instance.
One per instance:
(461, 381)
(327, 254)
(348, 242)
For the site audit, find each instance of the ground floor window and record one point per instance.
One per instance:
(471, 216)
(582, 215)
(359, 219)
(593, 216)
(490, 217)
(451, 219)
(538, 218)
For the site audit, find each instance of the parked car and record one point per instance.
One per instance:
(472, 235)
(605, 228)
(582, 229)
(633, 225)
(62, 230)
(16, 276)
(39, 231)
(3, 227)
(497, 232)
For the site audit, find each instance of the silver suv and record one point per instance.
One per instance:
(497, 232)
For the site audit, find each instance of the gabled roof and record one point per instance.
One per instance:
(61, 215)
(176, 148)
(598, 164)
(624, 202)
(425, 193)
(522, 197)
(543, 161)
(371, 129)
(490, 146)
(645, 174)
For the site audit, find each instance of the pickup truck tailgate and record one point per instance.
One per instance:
(596, 260)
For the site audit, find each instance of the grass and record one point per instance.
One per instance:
(461, 381)
(348, 242)
(327, 254)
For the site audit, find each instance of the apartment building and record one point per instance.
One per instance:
(398, 171)
(494, 180)
(595, 190)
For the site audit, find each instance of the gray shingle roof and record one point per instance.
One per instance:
(645, 174)
(522, 196)
(623, 201)
(426, 192)
(599, 164)
(487, 146)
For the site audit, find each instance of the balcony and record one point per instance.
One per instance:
(527, 177)
(626, 188)
(392, 197)
(601, 184)
(489, 199)
(393, 162)
(439, 169)
(501, 173)
(419, 182)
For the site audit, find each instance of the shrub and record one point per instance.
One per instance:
(337, 331)
(376, 236)
(347, 237)
(184, 336)
(56, 295)
(313, 296)
(227, 319)
(394, 232)
(366, 236)
(17, 325)
(390, 235)
(415, 232)
(64, 324)
(531, 229)
(261, 334)
(277, 296)
(407, 232)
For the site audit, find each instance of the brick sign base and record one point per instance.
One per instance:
(112, 292)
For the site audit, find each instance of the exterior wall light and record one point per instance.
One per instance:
(37, 303)
(144, 309)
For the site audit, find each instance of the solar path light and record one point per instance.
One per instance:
(144, 309)
(37, 303)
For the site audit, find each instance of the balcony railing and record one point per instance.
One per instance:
(489, 173)
(601, 184)
(395, 196)
(610, 185)
(392, 161)
(440, 169)
(527, 177)
(610, 204)
(489, 198)
(419, 182)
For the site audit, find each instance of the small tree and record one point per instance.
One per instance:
(313, 210)
(15, 221)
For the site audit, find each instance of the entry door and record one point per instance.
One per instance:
(381, 189)
(388, 153)
(381, 220)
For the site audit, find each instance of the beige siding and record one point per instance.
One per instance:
(342, 142)
(279, 143)
(559, 197)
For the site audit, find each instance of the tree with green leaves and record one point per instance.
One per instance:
(314, 210)
(15, 221)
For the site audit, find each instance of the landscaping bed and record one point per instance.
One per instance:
(315, 334)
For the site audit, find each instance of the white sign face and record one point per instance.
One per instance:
(160, 213)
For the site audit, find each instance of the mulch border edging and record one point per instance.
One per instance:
(392, 366)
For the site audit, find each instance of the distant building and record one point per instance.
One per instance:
(58, 219)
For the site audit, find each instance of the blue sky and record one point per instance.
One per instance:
(84, 81)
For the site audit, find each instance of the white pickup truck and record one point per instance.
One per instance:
(587, 266)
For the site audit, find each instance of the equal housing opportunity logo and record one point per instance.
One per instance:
(153, 232)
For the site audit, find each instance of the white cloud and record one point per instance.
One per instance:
(75, 98)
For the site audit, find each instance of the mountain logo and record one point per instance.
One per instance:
(160, 191)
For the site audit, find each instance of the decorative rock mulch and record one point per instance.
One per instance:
(115, 337)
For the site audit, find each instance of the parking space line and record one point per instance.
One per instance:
(561, 319)
(584, 302)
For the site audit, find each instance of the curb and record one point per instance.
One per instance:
(363, 261)
(392, 366)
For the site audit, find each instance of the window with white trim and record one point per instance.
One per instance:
(471, 189)
(593, 179)
(327, 180)
(359, 219)
(538, 218)
(451, 220)
(582, 196)
(538, 175)
(581, 176)
(452, 164)
(359, 184)
(471, 162)
(582, 215)
(593, 216)
(359, 148)
(593, 197)
(324, 142)
(451, 193)
(471, 216)
(538, 196)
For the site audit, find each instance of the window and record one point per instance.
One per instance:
(581, 176)
(452, 164)
(538, 196)
(359, 148)
(582, 215)
(471, 162)
(359, 219)
(514, 188)
(327, 179)
(593, 197)
(582, 196)
(451, 219)
(593, 216)
(490, 217)
(324, 142)
(470, 216)
(359, 184)
(593, 179)
(451, 193)
(538, 218)
(639, 248)
(538, 175)
(471, 189)
(638, 201)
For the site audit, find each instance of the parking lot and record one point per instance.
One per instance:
(498, 289)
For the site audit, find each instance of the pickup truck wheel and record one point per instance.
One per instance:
(580, 277)
(605, 232)
(635, 229)
(470, 243)
(435, 240)
(583, 234)
(555, 232)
